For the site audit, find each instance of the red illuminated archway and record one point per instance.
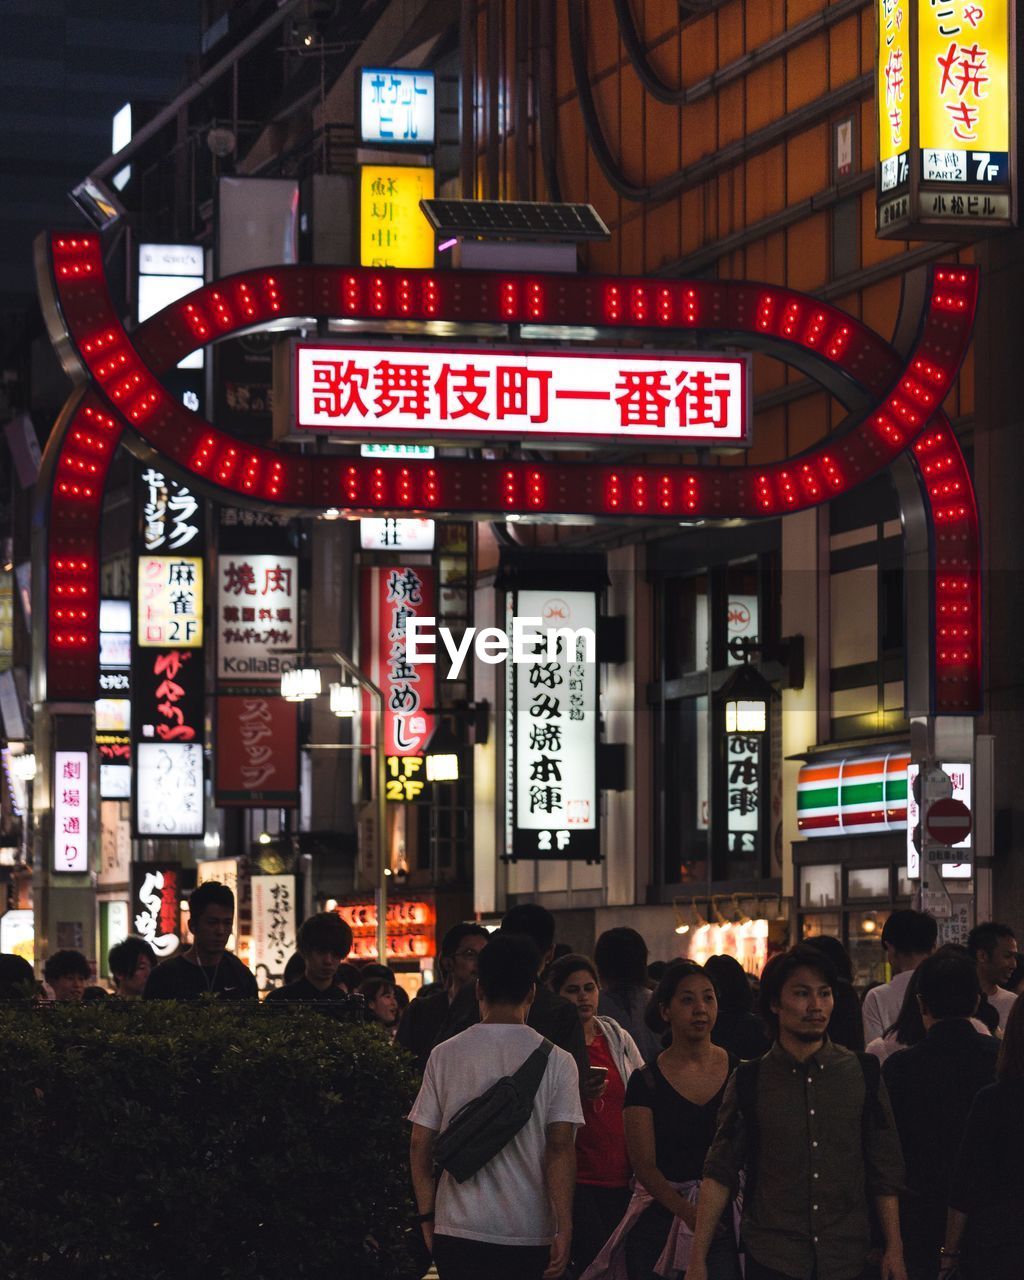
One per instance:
(124, 393)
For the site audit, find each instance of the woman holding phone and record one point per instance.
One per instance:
(603, 1171)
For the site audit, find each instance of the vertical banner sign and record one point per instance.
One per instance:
(156, 894)
(71, 811)
(554, 730)
(169, 789)
(113, 700)
(273, 923)
(946, 111)
(168, 664)
(390, 596)
(393, 229)
(745, 796)
(257, 750)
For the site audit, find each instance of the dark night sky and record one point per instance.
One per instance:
(65, 67)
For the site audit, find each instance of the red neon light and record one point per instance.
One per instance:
(125, 369)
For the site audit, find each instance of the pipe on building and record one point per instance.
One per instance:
(494, 19)
(467, 108)
(521, 109)
(773, 48)
(546, 107)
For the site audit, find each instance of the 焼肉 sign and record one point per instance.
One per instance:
(567, 397)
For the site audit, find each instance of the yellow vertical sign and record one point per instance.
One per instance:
(964, 78)
(393, 230)
(893, 89)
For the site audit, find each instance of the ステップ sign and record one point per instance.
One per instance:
(256, 746)
(391, 392)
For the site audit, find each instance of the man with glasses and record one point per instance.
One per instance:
(423, 1020)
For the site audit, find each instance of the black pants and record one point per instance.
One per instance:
(755, 1271)
(458, 1259)
(596, 1212)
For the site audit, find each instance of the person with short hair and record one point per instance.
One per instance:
(620, 955)
(130, 962)
(548, 1014)
(17, 979)
(379, 995)
(811, 1125)
(207, 969)
(908, 937)
(67, 973)
(512, 1219)
(423, 1021)
(932, 1086)
(323, 942)
(984, 1237)
(994, 948)
(347, 978)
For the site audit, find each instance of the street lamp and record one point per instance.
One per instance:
(746, 694)
(442, 755)
(305, 683)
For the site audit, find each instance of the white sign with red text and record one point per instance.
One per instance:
(257, 615)
(70, 811)
(395, 391)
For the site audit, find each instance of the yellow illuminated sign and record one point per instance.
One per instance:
(964, 79)
(170, 602)
(893, 85)
(393, 230)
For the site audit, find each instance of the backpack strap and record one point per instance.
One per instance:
(528, 1077)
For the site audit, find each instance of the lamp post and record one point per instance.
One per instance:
(299, 689)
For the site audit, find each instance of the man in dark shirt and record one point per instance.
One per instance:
(817, 1142)
(425, 1016)
(550, 1015)
(932, 1086)
(207, 969)
(323, 942)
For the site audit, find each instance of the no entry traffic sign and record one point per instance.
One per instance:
(948, 821)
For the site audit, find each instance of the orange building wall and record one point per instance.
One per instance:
(652, 140)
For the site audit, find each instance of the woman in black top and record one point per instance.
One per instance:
(670, 1114)
(987, 1186)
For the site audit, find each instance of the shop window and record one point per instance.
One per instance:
(868, 884)
(824, 924)
(905, 887)
(714, 788)
(864, 943)
(821, 886)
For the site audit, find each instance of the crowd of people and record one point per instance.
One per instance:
(681, 1120)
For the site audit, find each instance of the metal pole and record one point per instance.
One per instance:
(381, 890)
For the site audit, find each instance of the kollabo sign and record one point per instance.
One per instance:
(664, 399)
(946, 116)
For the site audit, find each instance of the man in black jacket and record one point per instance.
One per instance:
(549, 1014)
(931, 1087)
(424, 1019)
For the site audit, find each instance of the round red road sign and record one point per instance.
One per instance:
(948, 821)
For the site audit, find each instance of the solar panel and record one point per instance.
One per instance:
(518, 219)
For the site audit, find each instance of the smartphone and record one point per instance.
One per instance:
(598, 1075)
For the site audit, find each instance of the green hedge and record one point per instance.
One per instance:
(164, 1140)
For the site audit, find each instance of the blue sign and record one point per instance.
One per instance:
(397, 107)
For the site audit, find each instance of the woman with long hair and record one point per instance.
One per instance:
(603, 1171)
(671, 1113)
(985, 1226)
(738, 1029)
(620, 957)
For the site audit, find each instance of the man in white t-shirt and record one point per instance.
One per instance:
(908, 937)
(994, 949)
(513, 1219)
